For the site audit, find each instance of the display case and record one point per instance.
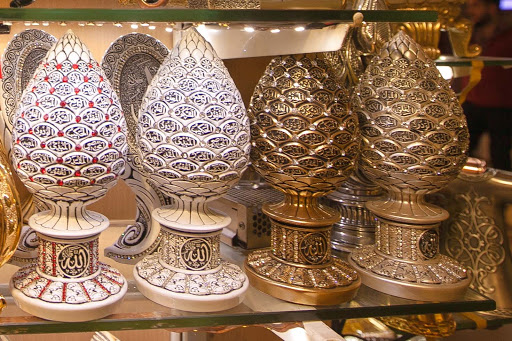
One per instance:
(137, 312)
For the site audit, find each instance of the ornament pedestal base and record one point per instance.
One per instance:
(68, 283)
(309, 295)
(299, 267)
(188, 274)
(162, 285)
(449, 286)
(405, 260)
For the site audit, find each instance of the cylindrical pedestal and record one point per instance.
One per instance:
(188, 274)
(405, 259)
(356, 227)
(299, 267)
(68, 283)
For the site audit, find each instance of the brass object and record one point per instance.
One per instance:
(430, 325)
(224, 4)
(304, 143)
(414, 142)
(357, 225)
(427, 34)
(10, 214)
(476, 235)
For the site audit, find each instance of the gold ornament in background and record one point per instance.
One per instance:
(427, 34)
(414, 142)
(224, 4)
(361, 43)
(304, 143)
(430, 325)
(476, 233)
(10, 214)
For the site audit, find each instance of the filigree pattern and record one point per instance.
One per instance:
(303, 138)
(68, 137)
(193, 130)
(230, 277)
(130, 64)
(414, 131)
(333, 275)
(106, 283)
(474, 239)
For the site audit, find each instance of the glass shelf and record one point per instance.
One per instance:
(461, 62)
(207, 15)
(137, 312)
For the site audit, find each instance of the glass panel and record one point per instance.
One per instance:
(197, 15)
(137, 312)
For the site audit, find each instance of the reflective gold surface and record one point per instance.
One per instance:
(304, 143)
(10, 214)
(428, 34)
(415, 140)
(431, 325)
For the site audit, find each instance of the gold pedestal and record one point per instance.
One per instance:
(299, 267)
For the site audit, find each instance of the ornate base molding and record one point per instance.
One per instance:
(188, 272)
(442, 278)
(328, 284)
(68, 283)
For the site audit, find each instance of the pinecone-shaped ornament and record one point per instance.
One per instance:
(415, 140)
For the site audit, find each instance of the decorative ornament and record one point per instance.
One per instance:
(362, 42)
(130, 64)
(415, 140)
(305, 143)
(21, 58)
(428, 34)
(193, 135)
(225, 4)
(476, 235)
(10, 209)
(69, 145)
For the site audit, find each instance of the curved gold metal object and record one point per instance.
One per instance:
(430, 325)
(10, 214)
(154, 4)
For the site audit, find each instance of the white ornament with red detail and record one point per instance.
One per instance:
(69, 143)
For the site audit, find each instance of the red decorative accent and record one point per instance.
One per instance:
(62, 103)
(114, 281)
(34, 88)
(77, 173)
(78, 147)
(46, 78)
(101, 286)
(89, 65)
(86, 79)
(31, 178)
(60, 182)
(119, 128)
(77, 90)
(59, 66)
(99, 90)
(92, 181)
(78, 119)
(110, 144)
(43, 170)
(94, 133)
(44, 289)
(94, 159)
(59, 160)
(45, 117)
(37, 103)
(85, 291)
(75, 66)
(60, 133)
(65, 79)
(108, 170)
(43, 145)
(52, 90)
(91, 104)
(54, 255)
(107, 117)
(22, 114)
(64, 286)
(30, 130)
(27, 157)
(101, 78)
